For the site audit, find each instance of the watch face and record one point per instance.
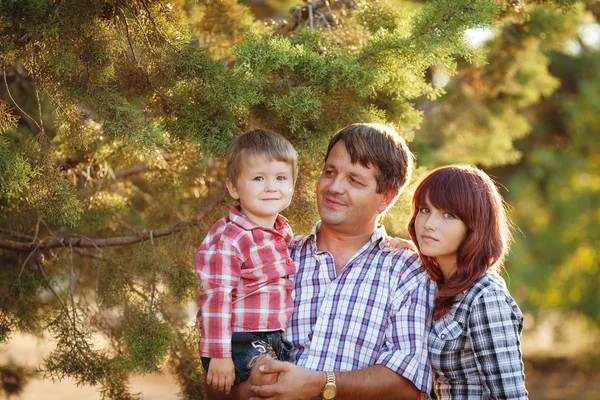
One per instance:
(329, 393)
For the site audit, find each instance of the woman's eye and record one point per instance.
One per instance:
(424, 210)
(449, 216)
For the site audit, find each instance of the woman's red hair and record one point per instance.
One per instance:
(470, 195)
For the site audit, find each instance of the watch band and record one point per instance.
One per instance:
(330, 389)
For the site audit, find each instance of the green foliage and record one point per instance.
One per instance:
(75, 355)
(185, 363)
(219, 24)
(19, 302)
(379, 16)
(147, 339)
(15, 172)
(181, 282)
(556, 198)
(112, 286)
(495, 96)
(138, 101)
(55, 199)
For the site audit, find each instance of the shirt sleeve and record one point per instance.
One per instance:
(405, 350)
(218, 267)
(495, 330)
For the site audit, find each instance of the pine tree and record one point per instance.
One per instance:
(115, 116)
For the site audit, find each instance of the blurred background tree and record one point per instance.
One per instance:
(115, 115)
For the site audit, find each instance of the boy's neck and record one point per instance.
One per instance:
(266, 222)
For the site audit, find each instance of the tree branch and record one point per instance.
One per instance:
(83, 242)
(16, 235)
(15, 103)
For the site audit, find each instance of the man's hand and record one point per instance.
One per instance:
(221, 374)
(294, 383)
(394, 243)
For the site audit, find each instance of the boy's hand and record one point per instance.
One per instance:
(394, 243)
(221, 374)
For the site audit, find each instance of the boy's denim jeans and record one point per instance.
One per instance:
(248, 347)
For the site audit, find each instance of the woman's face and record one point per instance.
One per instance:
(439, 234)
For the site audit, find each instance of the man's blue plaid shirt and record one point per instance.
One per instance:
(376, 311)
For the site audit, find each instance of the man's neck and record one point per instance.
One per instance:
(342, 245)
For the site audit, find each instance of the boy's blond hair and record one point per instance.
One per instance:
(259, 142)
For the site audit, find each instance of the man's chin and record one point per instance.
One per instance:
(333, 219)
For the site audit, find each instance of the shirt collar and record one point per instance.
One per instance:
(378, 234)
(237, 217)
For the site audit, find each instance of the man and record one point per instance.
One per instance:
(360, 309)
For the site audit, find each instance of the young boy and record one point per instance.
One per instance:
(243, 263)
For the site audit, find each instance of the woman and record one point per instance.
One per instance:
(462, 234)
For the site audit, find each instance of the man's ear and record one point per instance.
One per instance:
(232, 189)
(387, 198)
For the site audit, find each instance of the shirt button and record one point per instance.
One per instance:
(443, 336)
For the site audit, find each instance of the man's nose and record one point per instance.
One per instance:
(336, 186)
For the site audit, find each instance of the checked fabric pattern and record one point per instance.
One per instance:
(245, 287)
(376, 311)
(475, 352)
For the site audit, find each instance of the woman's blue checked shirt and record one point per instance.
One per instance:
(376, 311)
(475, 352)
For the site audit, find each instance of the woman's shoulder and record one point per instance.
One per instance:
(489, 290)
(490, 295)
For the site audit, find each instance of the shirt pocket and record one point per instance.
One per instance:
(449, 334)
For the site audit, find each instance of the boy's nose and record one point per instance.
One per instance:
(270, 186)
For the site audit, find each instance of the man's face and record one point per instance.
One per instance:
(346, 193)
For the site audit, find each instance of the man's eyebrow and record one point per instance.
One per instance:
(357, 175)
(329, 165)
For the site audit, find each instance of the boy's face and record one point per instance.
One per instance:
(264, 188)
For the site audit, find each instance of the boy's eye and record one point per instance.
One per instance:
(258, 178)
(281, 178)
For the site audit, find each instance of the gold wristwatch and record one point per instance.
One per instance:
(329, 390)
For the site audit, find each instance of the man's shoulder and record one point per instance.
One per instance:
(407, 267)
(404, 260)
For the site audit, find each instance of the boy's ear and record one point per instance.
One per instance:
(232, 189)
(387, 198)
